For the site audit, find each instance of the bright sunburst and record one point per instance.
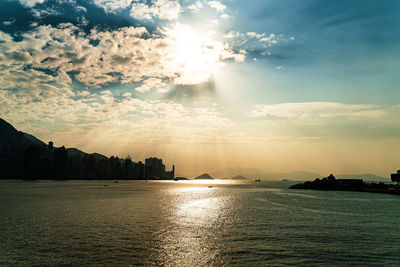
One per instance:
(196, 53)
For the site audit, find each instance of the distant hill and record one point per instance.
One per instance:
(24, 156)
(296, 176)
(253, 173)
(239, 177)
(181, 178)
(231, 172)
(78, 153)
(204, 176)
(14, 142)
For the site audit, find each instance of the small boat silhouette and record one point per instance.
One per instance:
(257, 180)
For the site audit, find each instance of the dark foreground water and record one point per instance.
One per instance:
(177, 224)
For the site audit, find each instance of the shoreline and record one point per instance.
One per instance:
(330, 183)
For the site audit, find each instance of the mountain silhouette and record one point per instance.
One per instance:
(254, 173)
(24, 156)
(15, 142)
(239, 177)
(204, 176)
(80, 154)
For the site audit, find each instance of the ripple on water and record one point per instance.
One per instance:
(168, 224)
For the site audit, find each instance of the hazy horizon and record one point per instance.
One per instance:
(276, 85)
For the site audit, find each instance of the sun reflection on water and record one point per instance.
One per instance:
(202, 182)
(197, 214)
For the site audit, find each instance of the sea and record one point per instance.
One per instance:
(194, 223)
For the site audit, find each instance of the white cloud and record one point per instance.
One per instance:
(267, 39)
(255, 35)
(103, 116)
(233, 34)
(152, 84)
(217, 5)
(41, 13)
(194, 56)
(9, 22)
(195, 7)
(113, 5)
(142, 11)
(180, 54)
(81, 8)
(315, 110)
(225, 16)
(31, 3)
(162, 9)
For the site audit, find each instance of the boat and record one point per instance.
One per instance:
(257, 180)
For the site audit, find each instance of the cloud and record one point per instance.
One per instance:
(161, 9)
(255, 35)
(9, 22)
(195, 7)
(61, 54)
(225, 16)
(44, 47)
(194, 56)
(270, 40)
(67, 49)
(316, 110)
(152, 84)
(48, 11)
(31, 3)
(103, 115)
(217, 5)
(113, 5)
(81, 9)
(267, 39)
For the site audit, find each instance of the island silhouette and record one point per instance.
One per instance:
(331, 183)
(204, 176)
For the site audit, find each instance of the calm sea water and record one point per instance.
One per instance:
(180, 224)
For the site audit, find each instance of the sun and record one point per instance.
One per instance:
(195, 53)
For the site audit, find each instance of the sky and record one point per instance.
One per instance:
(278, 85)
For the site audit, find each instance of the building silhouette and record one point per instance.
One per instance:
(24, 156)
(154, 168)
(48, 162)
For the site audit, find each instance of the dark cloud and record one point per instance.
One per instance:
(121, 59)
(187, 92)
